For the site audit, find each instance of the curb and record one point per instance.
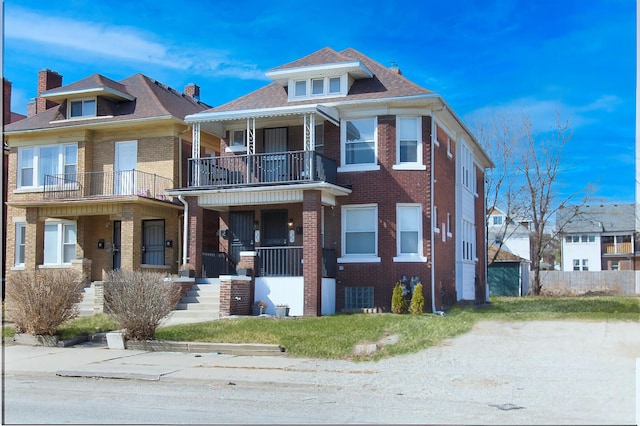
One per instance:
(245, 349)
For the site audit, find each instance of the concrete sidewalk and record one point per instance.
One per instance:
(92, 360)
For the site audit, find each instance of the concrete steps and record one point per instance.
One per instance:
(86, 304)
(201, 303)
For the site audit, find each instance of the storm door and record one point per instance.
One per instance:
(153, 242)
(275, 168)
(117, 240)
(241, 238)
(274, 228)
(124, 165)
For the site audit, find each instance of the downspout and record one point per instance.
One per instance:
(185, 227)
(433, 273)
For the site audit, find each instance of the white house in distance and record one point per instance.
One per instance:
(598, 238)
(508, 234)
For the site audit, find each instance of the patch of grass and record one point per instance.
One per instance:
(86, 325)
(8, 331)
(336, 336)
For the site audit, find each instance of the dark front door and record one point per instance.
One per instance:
(274, 228)
(117, 239)
(241, 238)
(275, 168)
(153, 242)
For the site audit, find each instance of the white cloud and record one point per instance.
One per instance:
(120, 43)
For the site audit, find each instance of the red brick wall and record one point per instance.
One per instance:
(385, 188)
(444, 200)
(312, 249)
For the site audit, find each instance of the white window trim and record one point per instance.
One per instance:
(60, 242)
(343, 149)
(325, 87)
(236, 148)
(358, 258)
(449, 233)
(36, 165)
(409, 257)
(413, 165)
(449, 153)
(434, 220)
(18, 226)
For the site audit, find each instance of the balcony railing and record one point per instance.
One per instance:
(616, 248)
(262, 169)
(105, 184)
(280, 261)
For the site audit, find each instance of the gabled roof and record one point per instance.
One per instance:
(151, 99)
(503, 255)
(385, 83)
(601, 218)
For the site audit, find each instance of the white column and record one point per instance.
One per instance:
(195, 141)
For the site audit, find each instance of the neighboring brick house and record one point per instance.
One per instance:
(8, 117)
(88, 171)
(341, 177)
(598, 237)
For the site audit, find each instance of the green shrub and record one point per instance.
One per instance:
(398, 304)
(416, 307)
(138, 301)
(39, 302)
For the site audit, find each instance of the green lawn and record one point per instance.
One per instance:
(335, 336)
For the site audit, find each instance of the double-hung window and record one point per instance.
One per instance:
(21, 240)
(409, 143)
(59, 242)
(359, 147)
(360, 233)
(34, 163)
(409, 233)
(82, 108)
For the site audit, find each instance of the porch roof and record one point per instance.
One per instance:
(329, 113)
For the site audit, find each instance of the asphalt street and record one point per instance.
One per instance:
(555, 372)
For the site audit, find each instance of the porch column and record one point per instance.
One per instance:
(312, 252)
(195, 234)
(131, 244)
(34, 240)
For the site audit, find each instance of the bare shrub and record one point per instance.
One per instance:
(139, 300)
(39, 302)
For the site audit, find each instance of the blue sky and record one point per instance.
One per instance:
(492, 56)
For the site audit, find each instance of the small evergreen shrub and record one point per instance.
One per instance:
(416, 307)
(39, 302)
(398, 304)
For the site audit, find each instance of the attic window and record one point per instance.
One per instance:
(82, 108)
(317, 87)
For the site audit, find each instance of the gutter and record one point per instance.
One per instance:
(185, 229)
(433, 273)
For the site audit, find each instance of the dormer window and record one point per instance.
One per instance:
(82, 108)
(318, 87)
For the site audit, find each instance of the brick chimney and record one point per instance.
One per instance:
(6, 101)
(47, 80)
(394, 67)
(193, 91)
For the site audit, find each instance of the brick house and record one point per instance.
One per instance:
(339, 179)
(88, 171)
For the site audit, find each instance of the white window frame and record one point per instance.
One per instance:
(449, 232)
(417, 256)
(60, 243)
(232, 147)
(468, 241)
(359, 258)
(62, 164)
(409, 165)
(326, 87)
(344, 167)
(435, 220)
(21, 243)
(82, 101)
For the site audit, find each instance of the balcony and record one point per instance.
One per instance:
(261, 169)
(105, 184)
(617, 248)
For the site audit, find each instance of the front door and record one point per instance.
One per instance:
(115, 246)
(275, 168)
(241, 238)
(153, 242)
(274, 228)
(124, 165)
